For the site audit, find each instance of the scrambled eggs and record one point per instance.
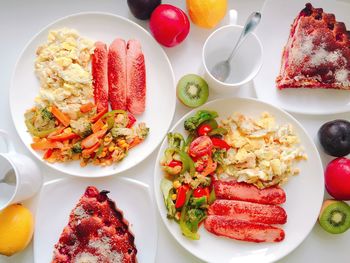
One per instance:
(62, 66)
(262, 152)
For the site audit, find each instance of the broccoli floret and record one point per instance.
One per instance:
(77, 148)
(46, 114)
(219, 155)
(117, 132)
(201, 116)
(82, 127)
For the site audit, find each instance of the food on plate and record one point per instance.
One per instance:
(142, 9)
(233, 190)
(243, 230)
(16, 229)
(337, 178)
(99, 64)
(192, 90)
(206, 13)
(199, 185)
(136, 78)
(253, 212)
(334, 136)
(317, 54)
(262, 152)
(96, 232)
(335, 216)
(117, 74)
(62, 67)
(169, 25)
(71, 119)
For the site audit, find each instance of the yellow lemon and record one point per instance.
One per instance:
(16, 229)
(206, 13)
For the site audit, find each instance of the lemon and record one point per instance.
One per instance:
(206, 13)
(16, 229)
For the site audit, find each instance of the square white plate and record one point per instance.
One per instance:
(273, 31)
(59, 197)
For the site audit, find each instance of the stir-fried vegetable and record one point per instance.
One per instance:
(189, 164)
(201, 116)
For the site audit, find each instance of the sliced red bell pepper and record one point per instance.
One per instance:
(47, 154)
(132, 120)
(181, 196)
(174, 163)
(199, 192)
(220, 143)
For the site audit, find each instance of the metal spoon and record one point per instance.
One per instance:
(9, 178)
(222, 70)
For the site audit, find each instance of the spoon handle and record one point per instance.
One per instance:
(252, 22)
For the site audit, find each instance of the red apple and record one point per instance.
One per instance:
(337, 178)
(169, 25)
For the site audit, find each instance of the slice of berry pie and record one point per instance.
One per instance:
(96, 232)
(317, 54)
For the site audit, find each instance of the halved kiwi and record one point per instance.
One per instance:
(192, 90)
(335, 216)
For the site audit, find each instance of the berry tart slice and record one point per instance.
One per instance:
(96, 232)
(317, 54)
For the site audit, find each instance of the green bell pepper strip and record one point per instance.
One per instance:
(218, 131)
(176, 140)
(183, 225)
(35, 132)
(212, 197)
(199, 201)
(187, 162)
(111, 115)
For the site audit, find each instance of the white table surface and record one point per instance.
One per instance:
(20, 20)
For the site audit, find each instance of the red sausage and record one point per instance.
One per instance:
(136, 78)
(99, 75)
(117, 74)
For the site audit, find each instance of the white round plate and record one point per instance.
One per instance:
(160, 100)
(304, 101)
(304, 195)
(59, 197)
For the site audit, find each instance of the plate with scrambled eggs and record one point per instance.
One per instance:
(267, 146)
(54, 75)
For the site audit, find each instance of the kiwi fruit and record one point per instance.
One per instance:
(335, 216)
(192, 90)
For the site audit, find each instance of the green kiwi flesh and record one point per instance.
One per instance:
(192, 90)
(335, 216)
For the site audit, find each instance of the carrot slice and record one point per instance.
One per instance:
(87, 107)
(92, 139)
(64, 136)
(63, 118)
(97, 126)
(92, 149)
(99, 115)
(211, 166)
(45, 145)
(135, 142)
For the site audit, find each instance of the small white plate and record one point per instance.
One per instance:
(160, 100)
(59, 197)
(304, 195)
(273, 31)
